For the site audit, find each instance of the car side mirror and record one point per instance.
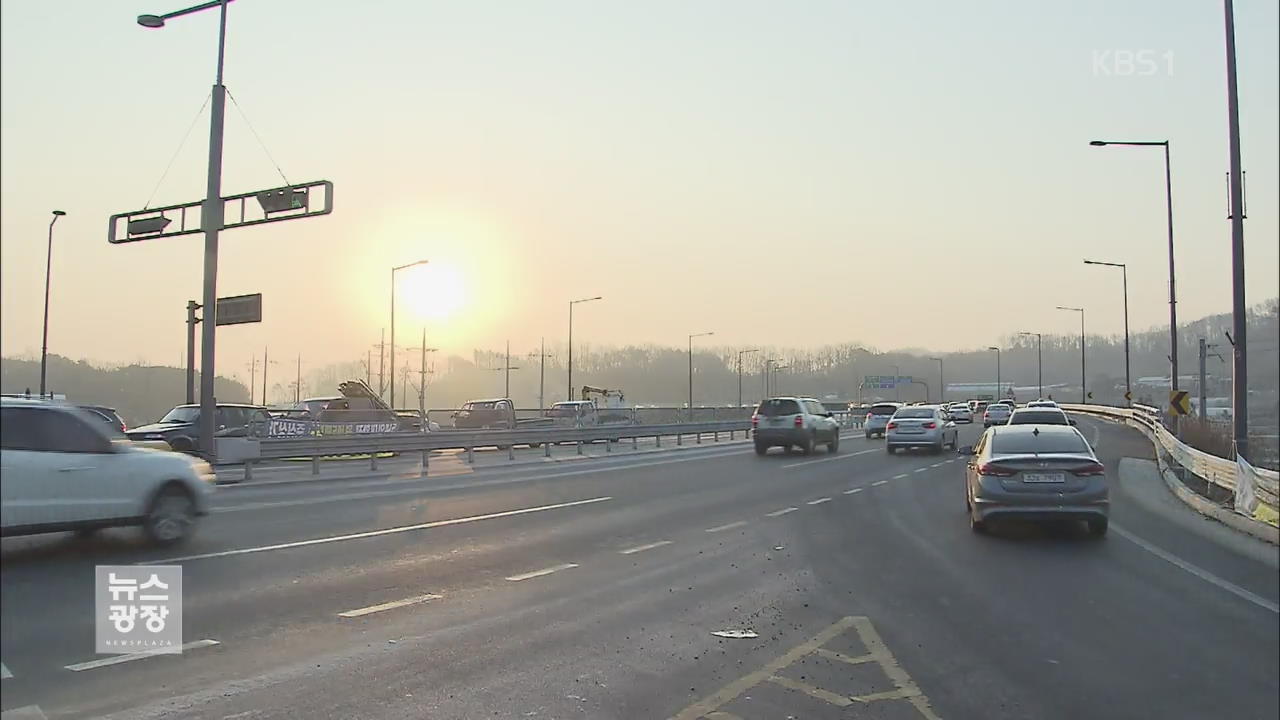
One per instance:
(1073, 422)
(965, 450)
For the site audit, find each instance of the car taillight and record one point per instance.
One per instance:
(755, 421)
(986, 415)
(799, 421)
(991, 470)
(930, 425)
(891, 426)
(868, 418)
(1090, 469)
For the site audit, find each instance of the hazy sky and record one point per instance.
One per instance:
(799, 173)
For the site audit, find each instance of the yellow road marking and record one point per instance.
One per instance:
(900, 678)
(810, 690)
(844, 658)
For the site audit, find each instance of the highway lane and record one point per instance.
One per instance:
(605, 609)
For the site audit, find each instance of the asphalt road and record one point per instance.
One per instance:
(592, 589)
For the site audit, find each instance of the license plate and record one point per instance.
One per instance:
(910, 430)
(1043, 477)
(775, 421)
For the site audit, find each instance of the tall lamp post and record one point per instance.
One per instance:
(691, 337)
(1124, 274)
(999, 390)
(1039, 362)
(1173, 296)
(1239, 313)
(897, 395)
(942, 388)
(764, 375)
(394, 270)
(212, 213)
(740, 354)
(1084, 395)
(571, 304)
(776, 384)
(48, 269)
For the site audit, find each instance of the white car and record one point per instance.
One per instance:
(1042, 404)
(64, 471)
(960, 412)
(925, 426)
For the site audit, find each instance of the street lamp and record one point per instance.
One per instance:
(1239, 313)
(691, 337)
(1084, 396)
(764, 375)
(740, 354)
(48, 269)
(897, 395)
(571, 304)
(393, 325)
(1124, 273)
(1173, 297)
(942, 388)
(212, 220)
(776, 384)
(1039, 362)
(999, 394)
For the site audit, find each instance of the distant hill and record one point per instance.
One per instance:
(139, 393)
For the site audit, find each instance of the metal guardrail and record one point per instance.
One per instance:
(316, 448)
(1219, 471)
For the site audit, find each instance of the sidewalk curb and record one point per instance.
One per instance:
(1208, 508)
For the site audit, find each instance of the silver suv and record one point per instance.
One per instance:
(794, 421)
(877, 417)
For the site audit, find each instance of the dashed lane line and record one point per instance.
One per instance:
(1197, 571)
(544, 571)
(129, 657)
(923, 469)
(360, 612)
(779, 513)
(642, 548)
(828, 459)
(852, 491)
(879, 483)
(899, 476)
(730, 526)
(378, 533)
(819, 501)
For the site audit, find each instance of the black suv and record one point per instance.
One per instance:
(180, 427)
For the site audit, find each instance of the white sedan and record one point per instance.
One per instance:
(62, 471)
(960, 412)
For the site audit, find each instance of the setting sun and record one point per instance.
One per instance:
(435, 291)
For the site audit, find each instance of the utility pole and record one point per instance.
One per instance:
(382, 354)
(542, 373)
(1204, 351)
(740, 354)
(297, 386)
(368, 367)
(192, 307)
(253, 374)
(264, 376)
(942, 388)
(1239, 312)
(506, 392)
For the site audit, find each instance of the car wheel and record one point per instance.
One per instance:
(834, 445)
(889, 448)
(976, 525)
(937, 449)
(171, 516)
(182, 445)
(761, 448)
(1098, 528)
(868, 435)
(807, 447)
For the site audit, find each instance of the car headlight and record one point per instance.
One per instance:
(203, 470)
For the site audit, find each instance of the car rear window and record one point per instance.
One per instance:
(1039, 417)
(1046, 442)
(915, 413)
(773, 408)
(883, 409)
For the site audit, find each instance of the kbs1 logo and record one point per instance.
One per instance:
(1132, 63)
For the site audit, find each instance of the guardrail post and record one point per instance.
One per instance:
(608, 445)
(425, 455)
(546, 450)
(373, 460)
(731, 435)
(579, 444)
(471, 456)
(716, 436)
(634, 442)
(511, 452)
(315, 464)
(679, 439)
(698, 438)
(248, 469)
(658, 440)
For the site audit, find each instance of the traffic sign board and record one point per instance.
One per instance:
(273, 205)
(1128, 396)
(239, 309)
(1179, 402)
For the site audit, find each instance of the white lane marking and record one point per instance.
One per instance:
(828, 459)
(937, 464)
(544, 571)
(899, 476)
(4, 672)
(642, 548)
(377, 533)
(128, 657)
(730, 526)
(1197, 571)
(819, 501)
(851, 491)
(779, 513)
(921, 469)
(880, 482)
(26, 712)
(389, 605)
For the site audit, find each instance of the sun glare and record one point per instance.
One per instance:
(435, 291)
